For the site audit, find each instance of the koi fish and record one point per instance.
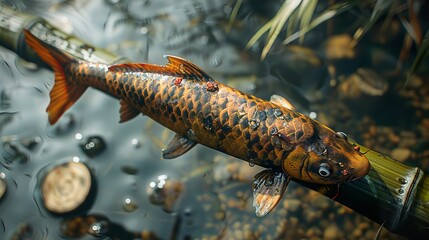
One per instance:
(199, 109)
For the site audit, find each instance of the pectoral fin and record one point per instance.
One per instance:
(281, 101)
(127, 111)
(268, 188)
(178, 146)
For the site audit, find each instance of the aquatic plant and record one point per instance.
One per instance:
(300, 15)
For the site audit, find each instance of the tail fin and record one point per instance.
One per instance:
(64, 94)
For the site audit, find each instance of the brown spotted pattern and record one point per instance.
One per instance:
(220, 117)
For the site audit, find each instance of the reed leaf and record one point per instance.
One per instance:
(329, 13)
(233, 15)
(380, 8)
(306, 12)
(422, 52)
(259, 34)
(286, 10)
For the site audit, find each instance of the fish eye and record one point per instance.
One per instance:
(341, 135)
(324, 170)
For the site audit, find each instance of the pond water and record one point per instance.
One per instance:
(204, 194)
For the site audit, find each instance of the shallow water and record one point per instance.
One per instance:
(214, 193)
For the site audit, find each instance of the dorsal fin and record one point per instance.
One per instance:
(176, 66)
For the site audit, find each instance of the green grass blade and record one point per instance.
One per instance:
(259, 34)
(288, 7)
(380, 8)
(422, 53)
(233, 15)
(329, 13)
(307, 10)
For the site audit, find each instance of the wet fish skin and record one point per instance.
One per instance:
(186, 100)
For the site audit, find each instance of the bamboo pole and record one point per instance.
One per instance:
(392, 193)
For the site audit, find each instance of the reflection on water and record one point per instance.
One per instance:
(202, 194)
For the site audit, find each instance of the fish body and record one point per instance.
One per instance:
(199, 109)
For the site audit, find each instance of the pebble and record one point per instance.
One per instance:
(320, 202)
(331, 232)
(292, 204)
(401, 154)
(338, 47)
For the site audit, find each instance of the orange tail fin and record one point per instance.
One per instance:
(64, 93)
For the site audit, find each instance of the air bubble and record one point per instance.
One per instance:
(164, 192)
(78, 136)
(129, 205)
(98, 229)
(93, 146)
(251, 162)
(135, 142)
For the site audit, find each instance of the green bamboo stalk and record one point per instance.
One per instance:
(392, 193)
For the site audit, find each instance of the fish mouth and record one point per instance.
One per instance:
(360, 168)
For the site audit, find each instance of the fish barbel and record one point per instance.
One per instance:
(199, 109)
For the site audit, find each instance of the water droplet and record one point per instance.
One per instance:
(313, 115)
(251, 162)
(277, 112)
(254, 123)
(187, 211)
(164, 192)
(402, 180)
(129, 205)
(401, 191)
(241, 111)
(99, 229)
(191, 135)
(274, 131)
(93, 146)
(144, 30)
(78, 136)
(135, 142)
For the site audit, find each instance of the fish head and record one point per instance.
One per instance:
(326, 158)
